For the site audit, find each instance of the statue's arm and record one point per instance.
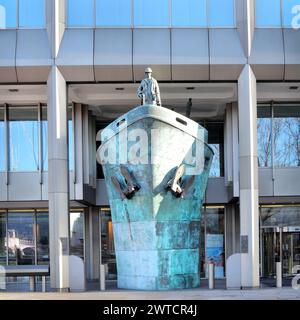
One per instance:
(140, 90)
(157, 93)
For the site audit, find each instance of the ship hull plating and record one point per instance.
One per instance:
(156, 232)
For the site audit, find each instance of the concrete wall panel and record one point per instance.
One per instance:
(292, 54)
(267, 54)
(3, 187)
(227, 57)
(151, 47)
(8, 56)
(216, 191)
(24, 186)
(76, 55)
(113, 59)
(286, 182)
(33, 56)
(190, 55)
(265, 183)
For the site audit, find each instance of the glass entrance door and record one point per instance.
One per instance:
(290, 250)
(270, 250)
(280, 244)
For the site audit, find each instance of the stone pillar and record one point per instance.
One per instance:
(249, 213)
(58, 181)
(92, 243)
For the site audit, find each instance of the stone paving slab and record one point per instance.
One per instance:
(196, 294)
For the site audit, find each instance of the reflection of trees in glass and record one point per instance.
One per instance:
(287, 142)
(264, 142)
(279, 137)
(215, 166)
(280, 216)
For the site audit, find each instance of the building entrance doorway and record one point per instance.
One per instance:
(279, 244)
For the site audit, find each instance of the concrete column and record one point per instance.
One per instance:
(249, 213)
(58, 181)
(92, 242)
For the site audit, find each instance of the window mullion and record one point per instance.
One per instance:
(6, 135)
(40, 140)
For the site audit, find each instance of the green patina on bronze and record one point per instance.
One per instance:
(157, 235)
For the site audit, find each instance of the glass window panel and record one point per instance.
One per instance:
(216, 142)
(2, 239)
(221, 13)
(268, 13)
(32, 13)
(21, 243)
(286, 135)
(189, 13)
(113, 12)
(23, 136)
(215, 165)
(214, 240)
(70, 139)
(107, 244)
(42, 237)
(80, 13)
(151, 13)
(45, 138)
(280, 216)
(287, 12)
(264, 136)
(8, 14)
(77, 234)
(2, 140)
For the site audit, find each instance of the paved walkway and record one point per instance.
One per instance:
(195, 294)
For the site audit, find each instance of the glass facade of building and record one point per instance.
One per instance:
(216, 142)
(151, 13)
(27, 14)
(26, 135)
(24, 236)
(278, 132)
(276, 13)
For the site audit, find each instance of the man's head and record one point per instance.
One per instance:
(148, 72)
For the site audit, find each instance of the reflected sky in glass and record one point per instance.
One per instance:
(189, 13)
(2, 147)
(23, 145)
(264, 142)
(113, 12)
(267, 13)
(221, 13)
(287, 12)
(8, 14)
(32, 13)
(151, 13)
(80, 13)
(215, 170)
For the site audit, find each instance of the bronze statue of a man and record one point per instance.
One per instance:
(148, 90)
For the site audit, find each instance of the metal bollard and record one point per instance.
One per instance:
(278, 275)
(43, 284)
(32, 284)
(102, 277)
(211, 275)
